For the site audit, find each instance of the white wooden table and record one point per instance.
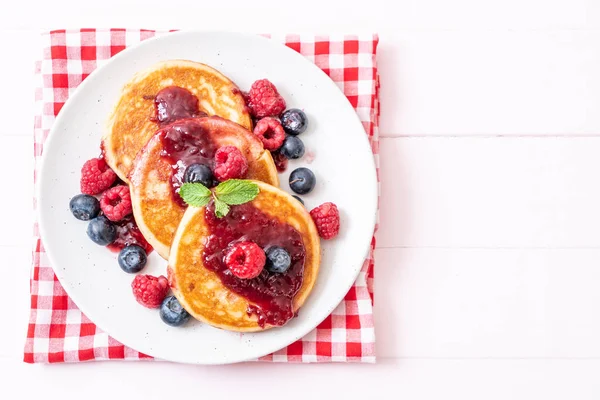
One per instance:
(488, 259)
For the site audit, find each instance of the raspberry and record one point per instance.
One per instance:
(149, 290)
(96, 176)
(230, 163)
(327, 220)
(245, 260)
(270, 132)
(116, 203)
(264, 100)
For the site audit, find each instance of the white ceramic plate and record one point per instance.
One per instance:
(343, 165)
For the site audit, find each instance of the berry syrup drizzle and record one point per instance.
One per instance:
(184, 143)
(174, 103)
(128, 233)
(272, 294)
(281, 161)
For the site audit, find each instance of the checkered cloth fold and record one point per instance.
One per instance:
(59, 332)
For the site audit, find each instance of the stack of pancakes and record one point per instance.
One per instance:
(133, 147)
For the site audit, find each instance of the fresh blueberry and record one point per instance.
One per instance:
(298, 198)
(302, 180)
(294, 121)
(278, 260)
(172, 313)
(101, 231)
(292, 147)
(132, 258)
(199, 173)
(84, 207)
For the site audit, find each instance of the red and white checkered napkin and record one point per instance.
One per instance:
(59, 332)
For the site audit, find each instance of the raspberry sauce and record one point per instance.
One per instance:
(281, 161)
(174, 103)
(128, 233)
(272, 294)
(184, 143)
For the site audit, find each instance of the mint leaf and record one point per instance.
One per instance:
(195, 194)
(221, 208)
(237, 191)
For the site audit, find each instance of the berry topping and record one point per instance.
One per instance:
(128, 233)
(245, 260)
(298, 198)
(302, 180)
(281, 162)
(230, 163)
(270, 132)
(96, 176)
(149, 290)
(327, 220)
(101, 231)
(199, 173)
(84, 207)
(132, 259)
(172, 313)
(173, 103)
(294, 121)
(292, 147)
(278, 260)
(264, 100)
(116, 203)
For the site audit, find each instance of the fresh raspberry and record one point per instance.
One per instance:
(327, 220)
(245, 260)
(96, 176)
(264, 100)
(116, 203)
(230, 163)
(149, 290)
(270, 132)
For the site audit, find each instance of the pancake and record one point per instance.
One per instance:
(202, 292)
(157, 210)
(130, 124)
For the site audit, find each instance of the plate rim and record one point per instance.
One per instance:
(372, 186)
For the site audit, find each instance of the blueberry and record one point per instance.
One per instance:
(199, 173)
(278, 260)
(84, 207)
(132, 258)
(292, 147)
(294, 121)
(101, 231)
(298, 198)
(302, 180)
(172, 313)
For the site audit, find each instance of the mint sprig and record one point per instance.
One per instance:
(221, 208)
(229, 193)
(195, 194)
(236, 191)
